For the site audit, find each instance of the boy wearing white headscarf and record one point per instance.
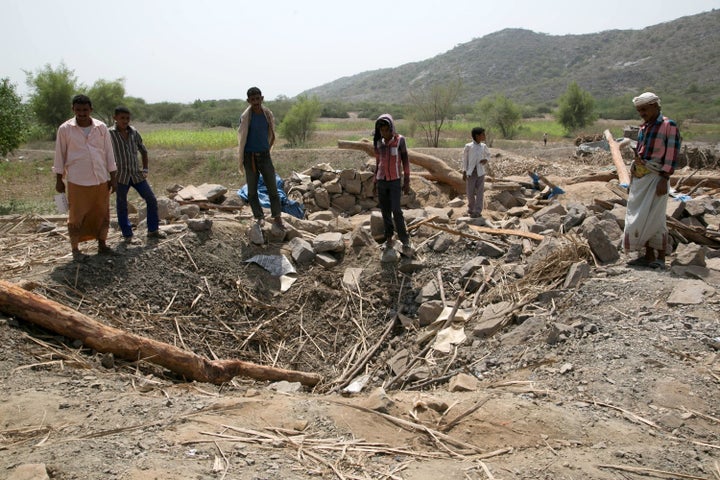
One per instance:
(656, 154)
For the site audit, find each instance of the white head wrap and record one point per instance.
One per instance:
(646, 99)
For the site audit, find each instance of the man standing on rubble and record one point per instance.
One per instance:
(656, 154)
(256, 135)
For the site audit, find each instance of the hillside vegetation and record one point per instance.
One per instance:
(677, 58)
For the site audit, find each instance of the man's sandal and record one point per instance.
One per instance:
(638, 262)
(657, 264)
(79, 257)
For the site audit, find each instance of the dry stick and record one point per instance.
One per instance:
(170, 304)
(459, 418)
(417, 427)
(464, 235)
(227, 462)
(421, 223)
(188, 254)
(347, 378)
(442, 289)
(424, 351)
(177, 327)
(698, 185)
(628, 412)
(651, 471)
(486, 470)
(192, 305)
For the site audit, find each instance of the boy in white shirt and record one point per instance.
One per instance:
(474, 158)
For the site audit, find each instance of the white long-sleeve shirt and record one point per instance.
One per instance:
(472, 155)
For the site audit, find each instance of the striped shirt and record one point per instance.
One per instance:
(391, 159)
(659, 142)
(126, 158)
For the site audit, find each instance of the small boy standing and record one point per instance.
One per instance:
(127, 142)
(474, 158)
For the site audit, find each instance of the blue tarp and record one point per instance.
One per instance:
(288, 206)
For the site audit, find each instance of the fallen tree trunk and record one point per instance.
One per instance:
(622, 173)
(439, 170)
(58, 318)
(709, 181)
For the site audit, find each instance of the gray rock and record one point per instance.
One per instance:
(578, 272)
(329, 242)
(199, 224)
(301, 251)
(326, 260)
(690, 254)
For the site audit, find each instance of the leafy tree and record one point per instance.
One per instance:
(137, 106)
(105, 96)
(501, 113)
(432, 107)
(13, 118)
(577, 108)
(299, 123)
(163, 112)
(334, 110)
(51, 97)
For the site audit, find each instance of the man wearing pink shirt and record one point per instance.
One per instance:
(84, 159)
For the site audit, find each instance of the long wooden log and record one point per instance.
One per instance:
(440, 170)
(709, 181)
(54, 316)
(622, 173)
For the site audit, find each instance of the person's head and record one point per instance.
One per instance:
(647, 106)
(384, 127)
(82, 108)
(254, 97)
(122, 117)
(478, 134)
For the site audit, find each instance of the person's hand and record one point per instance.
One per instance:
(145, 172)
(59, 186)
(662, 186)
(112, 184)
(464, 177)
(406, 186)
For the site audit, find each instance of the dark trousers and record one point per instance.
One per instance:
(256, 164)
(121, 205)
(389, 195)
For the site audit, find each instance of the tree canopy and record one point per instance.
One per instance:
(14, 121)
(432, 107)
(577, 108)
(52, 92)
(500, 113)
(299, 124)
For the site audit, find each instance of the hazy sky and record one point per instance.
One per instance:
(184, 50)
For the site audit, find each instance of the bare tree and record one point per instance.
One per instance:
(432, 106)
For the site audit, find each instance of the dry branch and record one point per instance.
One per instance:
(54, 316)
(622, 172)
(502, 231)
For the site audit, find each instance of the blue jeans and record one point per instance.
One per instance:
(389, 196)
(256, 164)
(143, 188)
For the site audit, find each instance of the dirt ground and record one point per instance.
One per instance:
(608, 380)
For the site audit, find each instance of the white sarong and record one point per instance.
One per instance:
(645, 224)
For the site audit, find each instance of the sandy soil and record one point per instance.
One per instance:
(604, 381)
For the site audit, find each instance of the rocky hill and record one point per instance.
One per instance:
(678, 56)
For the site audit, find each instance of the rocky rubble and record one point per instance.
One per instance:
(567, 363)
